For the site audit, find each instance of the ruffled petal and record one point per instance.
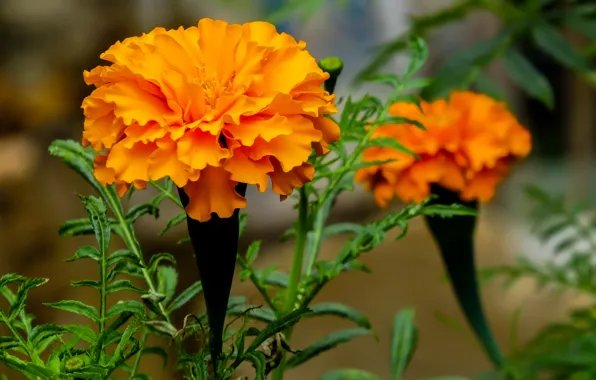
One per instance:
(243, 169)
(199, 149)
(213, 192)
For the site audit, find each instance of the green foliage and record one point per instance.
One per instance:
(561, 350)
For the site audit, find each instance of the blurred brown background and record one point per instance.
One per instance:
(45, 46)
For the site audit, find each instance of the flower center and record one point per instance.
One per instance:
(213, 87)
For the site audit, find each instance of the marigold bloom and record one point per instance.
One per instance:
(467, 147)
(209, 106)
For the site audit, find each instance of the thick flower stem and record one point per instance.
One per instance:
(455, 238)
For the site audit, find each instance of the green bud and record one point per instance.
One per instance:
(333, 66)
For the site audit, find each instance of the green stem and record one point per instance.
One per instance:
(135, 365)
(257, 283)
(171, 196)
(298, 258)
(128, 235)
(32, 354)
(296, 269)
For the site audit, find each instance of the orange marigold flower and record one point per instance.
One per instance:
(469, 142)
(210, 106)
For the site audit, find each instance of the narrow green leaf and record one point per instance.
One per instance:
(122, 255)
(583, 24)
(137, 211)
(552, 42)
(155, 350)
(253, 251)
(89, 283)
(96, 209)
(242, 221)
(76, 307)
(76, 157)
(83, 332)
(418, 56)
(8, 343)
(173, 222)
(387, 142)
(85, 252)
(342, 228)
(130, 306)
(123, 285)
(447, 211)
(10, 278)
(485, 85)
(417, 83)
(158, 258)
(76, 227)
(527, 76)
(325, 344)
(258, 313)
(275, 278)
(124, 341)
(162, 328)
(42, 332)
(349, 374)
(404, 337)
(188, 294)
(343, 311)
(257, 359)
(17, 306)
(167, 280)
(278, 326)
(24, 367)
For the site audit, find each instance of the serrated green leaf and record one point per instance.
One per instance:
(89, 372)
(89, 283)
(24, 367)
(552, 42)
(137, 211)
(278, 326)
(77, 227)
(158, 258)
(10, 278)
(173, 222)
(254, 312)
(184, 297)
(77, 158)
(123, 285)
(167, 280)
(325, 344)
(41, 332)
(162, 328)
(85, 252)
(130, 306)
(8, 343)
(155, 350)
(19, 303)
(349, 374)
(83, 332)
(527, 76)
(253, 251)
(124, 341)
(76, 307)
(96, 209)
(343, 311)
(404, 337)
(418, 55)
(122, 255)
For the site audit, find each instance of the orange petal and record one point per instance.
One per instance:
(134, 105)
(103, 174)
(245, 170)
(285, 182)
(199, 149)
(130, 164)
(213, 192)
(330, 131)
(291, 150)
(163, 162)
(258, 126)
(143, 133)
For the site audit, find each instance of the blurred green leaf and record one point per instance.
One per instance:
(528, 77)
(325, 344)
(167, 280)
(342, 311)
(553, 43)
(485, 85)
(349, 374)
(404, 338)
(418, 56)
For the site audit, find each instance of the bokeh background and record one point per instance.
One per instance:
(46, 44)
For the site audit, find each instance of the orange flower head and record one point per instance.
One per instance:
(469, 142)
(210, 106)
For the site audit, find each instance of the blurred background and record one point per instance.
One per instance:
(46, 45)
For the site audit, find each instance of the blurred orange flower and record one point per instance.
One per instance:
(469, 143)
(210, 107)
